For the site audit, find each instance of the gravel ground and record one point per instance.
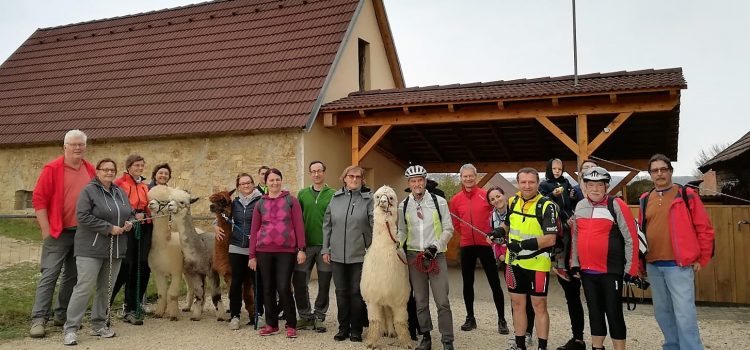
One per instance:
(721, 327)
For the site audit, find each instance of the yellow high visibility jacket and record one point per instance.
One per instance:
(531, 219)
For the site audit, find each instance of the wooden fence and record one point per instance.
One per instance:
(727, 278)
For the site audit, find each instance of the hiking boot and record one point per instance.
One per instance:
(573, 344)
(318, 326)
(448, 345)
(502, 327)
(70, 339)
(268, 330)
(104, 332)
(291, 332)
(471, 323)
(37, 328)
(130, 318)
(426, 343)
(341, 335)
(304, 323)
(234, 324)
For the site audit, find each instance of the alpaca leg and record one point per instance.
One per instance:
(161, 288)
(374, 315)
(400, 323)
(216, 295)
(173, 309)
(387, 320)
(190, 293)
(197, 309)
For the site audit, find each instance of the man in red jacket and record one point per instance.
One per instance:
(54, 199)
(471, 219)
(680, 242)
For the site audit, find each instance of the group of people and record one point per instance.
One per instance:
(96, 235)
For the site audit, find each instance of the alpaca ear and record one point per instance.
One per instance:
(232, 191)
(193, 200)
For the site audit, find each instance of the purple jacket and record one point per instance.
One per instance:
(277, 225)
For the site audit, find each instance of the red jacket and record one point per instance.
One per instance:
(473, 208)
(48, 192)
(137, 193)
(691, 233)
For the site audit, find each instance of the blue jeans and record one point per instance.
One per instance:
(673, 293)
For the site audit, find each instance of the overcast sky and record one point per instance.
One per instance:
(450, 41)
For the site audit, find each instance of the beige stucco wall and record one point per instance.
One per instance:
(332, 145)
(201, 164)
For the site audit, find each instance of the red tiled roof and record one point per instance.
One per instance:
(221, 66)
(514, 89)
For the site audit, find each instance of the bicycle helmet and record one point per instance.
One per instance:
(597, 173)
(414, 171)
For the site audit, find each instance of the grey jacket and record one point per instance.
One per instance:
(97, 211)
(347, 226)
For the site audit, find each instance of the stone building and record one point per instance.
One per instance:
(215, 89)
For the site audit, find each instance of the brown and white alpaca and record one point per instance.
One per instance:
(165, 258)
(221, 206)
(385, 276)
(197, 250)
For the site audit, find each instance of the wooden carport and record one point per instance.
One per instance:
(502, 126)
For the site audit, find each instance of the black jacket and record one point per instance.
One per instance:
(242, 216)
(567, 200)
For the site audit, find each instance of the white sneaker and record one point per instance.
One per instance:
(529, 340)
(104, 332)
(70, 339)
(234, 324)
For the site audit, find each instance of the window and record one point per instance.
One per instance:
(23, 200)
(364, 65)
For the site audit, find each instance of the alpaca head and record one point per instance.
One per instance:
(180, 201)
(159, 199)
(221, 203)
(386, 200)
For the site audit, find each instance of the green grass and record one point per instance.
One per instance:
(21, 229)
(16, 299)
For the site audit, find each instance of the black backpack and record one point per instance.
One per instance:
(434, 200)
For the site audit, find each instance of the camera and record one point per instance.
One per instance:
(641, 283)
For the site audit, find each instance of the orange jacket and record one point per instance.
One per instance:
(137, 193)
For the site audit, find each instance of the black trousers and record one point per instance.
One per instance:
(240, 272)
(469, 256)
(129, 269)
(604, 299)
(276, 271)
(572, 291)
(351, 306)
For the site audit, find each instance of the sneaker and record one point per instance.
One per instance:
(234, 324)
(573, 344)
(268, 330)
(318, 326)
(502, 327)
(291, 332)
(104, 332)
(70, 339)
(471, 323)
(130, 318)
(529, 340)
(37, 328)
(304, 323)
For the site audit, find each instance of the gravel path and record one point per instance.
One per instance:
(721, 328)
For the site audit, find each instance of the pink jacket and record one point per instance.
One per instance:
(277, 225)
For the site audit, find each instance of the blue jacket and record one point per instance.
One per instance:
(242, 217)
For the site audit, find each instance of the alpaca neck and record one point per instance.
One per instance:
(161, 233)
(184, 223)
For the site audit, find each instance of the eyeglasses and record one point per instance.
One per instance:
(354, 176)
(317, 171)
(659, 170)
(107, 170)
(245, 183)
(76, 145)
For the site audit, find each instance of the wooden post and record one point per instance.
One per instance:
(355, 145)
(373, 141)
(486, 178)
(582, 133)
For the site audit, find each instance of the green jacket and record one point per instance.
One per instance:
(313, 209)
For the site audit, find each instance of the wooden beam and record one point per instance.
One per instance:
(612, 98)
(474, 114)
(329, 119)
(355, 145)
(561, 135)
(500, 105)
(497, 134)
(450, 108)
(485, 179)
(608, 131)
(582, 135)
(555, 101)
(573, 174)
(361, 113)
(466, 140)
(623, 183)
(429, 143)
(376, 137)
(540, 165)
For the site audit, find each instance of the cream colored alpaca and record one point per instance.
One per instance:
(385, 278)
(197, 250)
(165, 258)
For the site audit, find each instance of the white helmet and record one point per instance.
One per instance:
(414, 171)
(597, 173)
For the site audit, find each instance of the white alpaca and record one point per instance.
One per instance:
(385, 276)
(165, 258)
(197, 250)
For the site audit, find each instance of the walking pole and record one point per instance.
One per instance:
(255, 297)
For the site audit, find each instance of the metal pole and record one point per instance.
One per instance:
(575, 48)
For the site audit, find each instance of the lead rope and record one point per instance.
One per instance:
(398, 250)
(109, 282)
(138, 307)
